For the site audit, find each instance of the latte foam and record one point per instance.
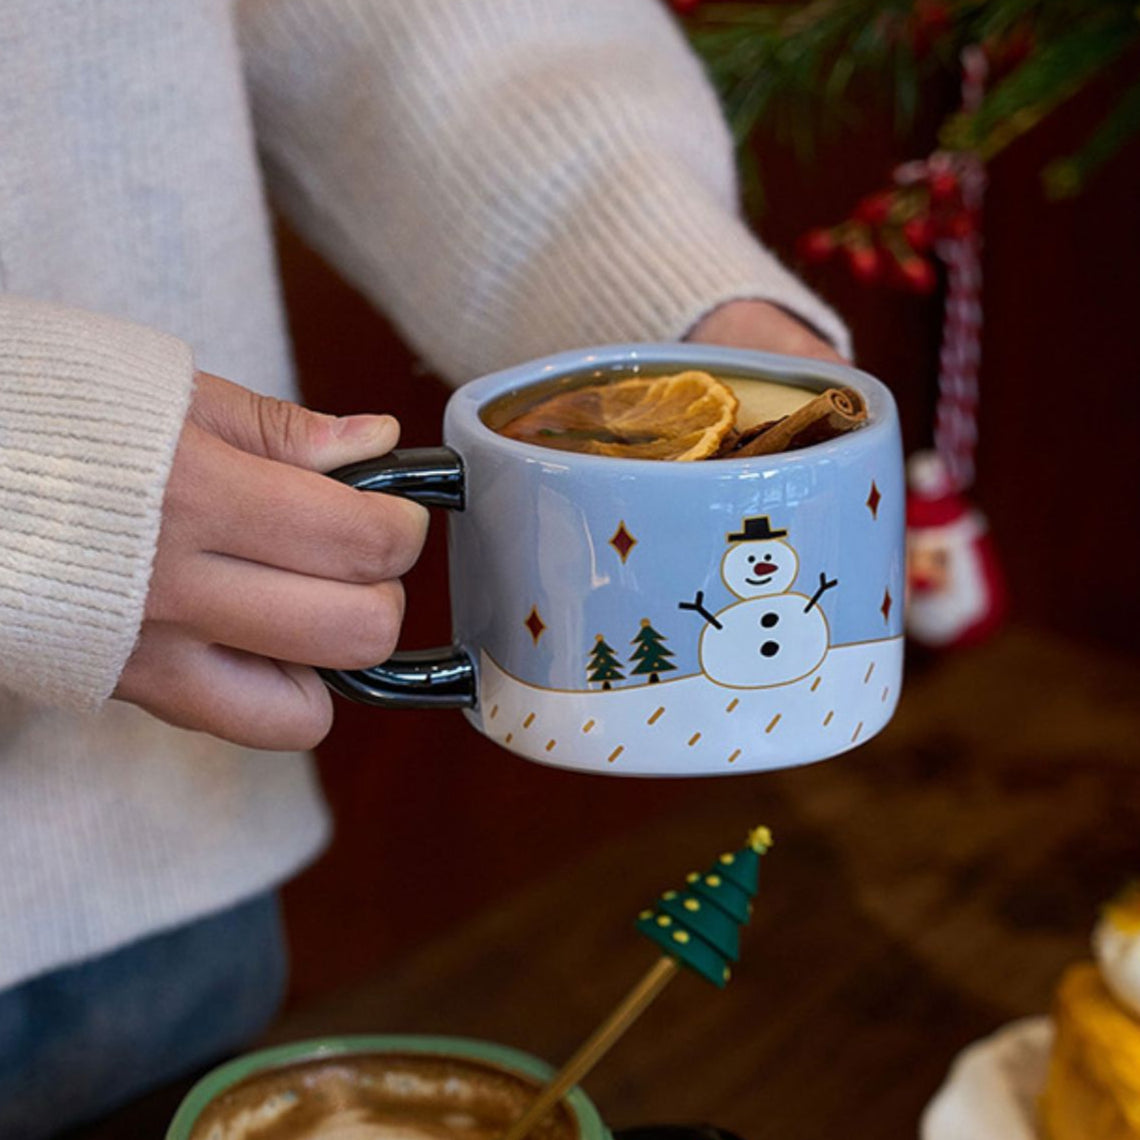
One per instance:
(377, 1097)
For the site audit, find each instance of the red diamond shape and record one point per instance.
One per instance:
(873, 500)
(885, 608)
(535, 624)
(622, 541)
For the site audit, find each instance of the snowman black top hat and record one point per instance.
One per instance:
(756, 528)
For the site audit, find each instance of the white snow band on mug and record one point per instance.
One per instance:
(641, 617)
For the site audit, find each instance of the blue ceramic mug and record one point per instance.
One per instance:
(640, 617)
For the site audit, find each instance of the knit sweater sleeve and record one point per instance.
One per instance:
(508, 177)
(90, 412)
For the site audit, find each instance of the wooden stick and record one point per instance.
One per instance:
(626, 1013)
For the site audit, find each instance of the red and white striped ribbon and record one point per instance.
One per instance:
(956, 416)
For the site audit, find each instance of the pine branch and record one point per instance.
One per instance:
(794, 67)
(1065, 177)
(991, 21)
(1050, 76)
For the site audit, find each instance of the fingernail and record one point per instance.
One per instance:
(364, 427)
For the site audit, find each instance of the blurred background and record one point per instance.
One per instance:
(434, 822)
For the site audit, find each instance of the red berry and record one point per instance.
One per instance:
(919, 232)
(816, 245)
(943, 186)
(916, 274)
(933, 14)
(959, 224)
(931, 21)
(865, 262)
(875, 208)
(1008, 52)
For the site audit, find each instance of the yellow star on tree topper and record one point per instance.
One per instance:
(760, 839)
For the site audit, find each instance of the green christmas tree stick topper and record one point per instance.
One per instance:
(697, 927)
(700, 925)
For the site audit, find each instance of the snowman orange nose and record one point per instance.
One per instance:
(764, 568)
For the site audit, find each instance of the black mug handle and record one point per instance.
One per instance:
(425, 678)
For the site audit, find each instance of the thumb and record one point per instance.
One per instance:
(287, 432)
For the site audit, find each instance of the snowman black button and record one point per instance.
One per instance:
(770, 648)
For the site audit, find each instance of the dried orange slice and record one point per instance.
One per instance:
(679, 417)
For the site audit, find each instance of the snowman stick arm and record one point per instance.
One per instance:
(697, 604)
(824, 586)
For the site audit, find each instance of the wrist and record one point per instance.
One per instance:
(761, 325)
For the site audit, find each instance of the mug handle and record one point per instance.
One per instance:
(423, 678)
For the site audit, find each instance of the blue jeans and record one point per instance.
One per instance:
(78, 1042)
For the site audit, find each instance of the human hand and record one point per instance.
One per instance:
(762, 325)
(265, 568)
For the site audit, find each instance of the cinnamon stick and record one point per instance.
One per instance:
(824, 417)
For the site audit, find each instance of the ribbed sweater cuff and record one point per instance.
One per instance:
(90, 412)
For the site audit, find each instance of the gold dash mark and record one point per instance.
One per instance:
(588, 725)
(816, 683)
(616, 753)
(550, 744)
(508, 738)
(494, 712)
(773, 722)
(870, 670)
(886, 692)
(694, 738)
(827, 719)
(529, 720)
(732, 704)
(656, 716)
(733, 757)
(855, 734)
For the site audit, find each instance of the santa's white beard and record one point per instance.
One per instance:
(940, 616)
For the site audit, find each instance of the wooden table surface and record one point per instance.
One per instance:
(922, 891)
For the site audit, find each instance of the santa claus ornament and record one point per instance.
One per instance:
(955, 589)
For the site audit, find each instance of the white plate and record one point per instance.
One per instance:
(992, 1088)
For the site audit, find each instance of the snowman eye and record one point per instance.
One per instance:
(752, 558)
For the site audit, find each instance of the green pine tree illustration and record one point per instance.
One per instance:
(603, 665)
(651, 655)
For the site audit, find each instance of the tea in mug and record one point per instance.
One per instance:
(381, 1096)
(690, 415)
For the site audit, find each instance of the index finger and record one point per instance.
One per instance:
(299, 520)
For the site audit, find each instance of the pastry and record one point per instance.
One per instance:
(1092, 1091)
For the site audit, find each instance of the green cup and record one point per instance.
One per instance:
(590, 1125)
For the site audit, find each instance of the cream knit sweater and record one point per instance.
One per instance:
(504, 177)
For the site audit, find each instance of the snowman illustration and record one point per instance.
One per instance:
(772, 636)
